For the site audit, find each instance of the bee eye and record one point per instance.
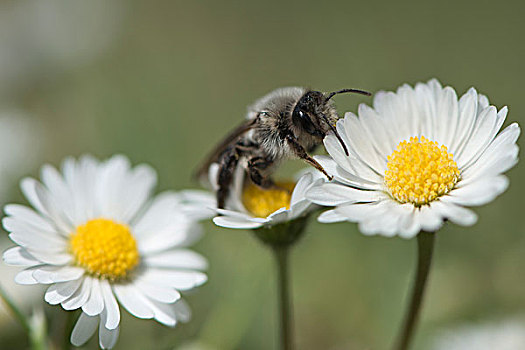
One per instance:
(302, 119)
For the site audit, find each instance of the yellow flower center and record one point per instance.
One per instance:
(419, 171)
(106, 249)
(262, 202)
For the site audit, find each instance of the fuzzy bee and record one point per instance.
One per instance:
(286, 123)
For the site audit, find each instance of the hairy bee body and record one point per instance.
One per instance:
(286, 123)
(275, 119)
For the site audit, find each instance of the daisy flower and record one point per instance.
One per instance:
(418, 157)
(250, 207)
(98, 239)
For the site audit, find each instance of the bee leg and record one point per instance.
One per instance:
(255, 165)
(227, 166)
(301, 153)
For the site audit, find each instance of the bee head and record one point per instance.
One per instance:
(305, 113)
(310, 113)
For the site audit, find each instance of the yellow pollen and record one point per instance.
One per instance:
(106, 249)
(262, 202)
(419, 171)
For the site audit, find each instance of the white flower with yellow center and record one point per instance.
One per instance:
(418, 157)
(99, 240)
(250, 207)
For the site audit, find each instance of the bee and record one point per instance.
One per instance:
(287, 123)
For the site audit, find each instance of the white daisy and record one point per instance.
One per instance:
(98, 239)
(250, 207)
(418, 157)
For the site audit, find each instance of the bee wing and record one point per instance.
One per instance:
(227, 141)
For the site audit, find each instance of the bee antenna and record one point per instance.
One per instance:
(336, 134)
(355, 91)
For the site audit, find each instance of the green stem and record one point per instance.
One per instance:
(21, 318)
(425, 243)
(283, 281)
(281, 238)
(38, 338)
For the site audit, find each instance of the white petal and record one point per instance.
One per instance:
(483, 133)
(107, 337)
(356, 212)
(342, 176)
(181, 280)
(53, 209)
(330, 194)
(456, 214)
(299, 208)
(158, 293)
(415, 112)
(95, 303)
(141, 183)
(483, 102)
(508, 136)
(468, 105)
(180, 258)
(479, 192)
(280, 215)
(331, 216)
(490, 168)
(409, 225)
(110, 305)
(15, 224)
(29, 216)
(379, 135)
(51, 258)
(430, 219)
(81, 177)
(499, 156)
(350, 163)
(59, 189)
(359, 144)
(133, 301)
(447, 115)
(59, 292)
(53, 274)
(182, 234)
(111, 186)
(84, 329)
(29, 236)
(26, 276)
(164, 313)
(28, 185)
(159, 214)
(229, 222)
(383, 104)
(197, 205)
(18, 256)
(182, 311)
(80, 297)
(122, 191)
(383, 221)
(300, 188)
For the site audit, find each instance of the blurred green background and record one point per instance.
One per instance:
(163, 81)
